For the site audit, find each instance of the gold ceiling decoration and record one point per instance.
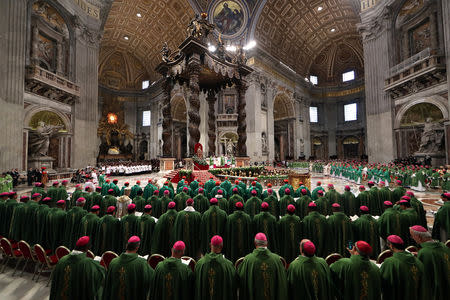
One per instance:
(160, 21)
(296, 31)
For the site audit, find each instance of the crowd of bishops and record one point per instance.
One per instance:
(222, 225)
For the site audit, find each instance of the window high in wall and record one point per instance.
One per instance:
(313, 114)
(313, 79)
(350, 112)
(348, 76)
(146, 118)
(145, 84)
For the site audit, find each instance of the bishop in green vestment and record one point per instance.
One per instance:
(441, 226)
(149, 189)
(318, 188)
(215, 276)
(107, 237)
(75, 195)
(89, 225)
(274, 205)
(365, 228)
(262, 274)
(332, 195)
(163, 231)
(73, 218)
(62, 191)
(201, 203)
(186, 229)
(315, 228)
(357, 277)
(398, 192)
(323, 205)
(155, 202)
(385, 192)
(266, 223)
(238, 233)
(235, 198)
(55, 225)
(129, 224)
(173, 279)
(52, 192)
(376, 203)
(363, 199)
(401, 274)
(214, 222)
(180, 199)
(108, 200)
(309, 276)
(285, 200)
(76, 276)
(435, 257)
(129, 276)
(146, 227)
(289, 232)
(139, 201)
(134, 189)
(351, 206)
(340, 231)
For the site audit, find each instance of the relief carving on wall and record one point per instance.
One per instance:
(420, 38)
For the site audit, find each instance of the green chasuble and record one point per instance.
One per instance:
(89, 226)
(441, 227)
(289, 236)
(421, 213)
(129, 226)
(365, 228)
(75, 195)
(389, 223)
(55, 227)
(408, 218)
(29, 221)
(201, 203)
(375, 205)
(309, 278)
(315, 228)
(398, 193)
(62, 193)
(435, 257)
(193, 186)
(283, 188)
(262, 276)
(214, 222)
(71, 223)
(232, 202)
(274, 206)
(7, 215)
(108, 238)
(129, 277)
(386, 194)
(314, 192)
(134, 189)
(284, 202)
(401, 277)
(323, 206)
(96, 198)
(162, 235)
(340, 233)
(356, 278)
(140, 203)
(52, 192)
(252, 206)
(148, 190)
(301, 209)
(15, 229)
(363, 199)
(155, 202)
(146, 227)
(173, 281)
(180, 200)
(165, 200)
(186, 229)
(223, 203)
(215, 278)
(39, 231)
(333, 197)
(239, 236)
(266, 223)
(77, 277)
(108, 200)
(351, 206)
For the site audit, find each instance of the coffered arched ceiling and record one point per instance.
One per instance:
(161, 21)
(293, 31)
(296, 31)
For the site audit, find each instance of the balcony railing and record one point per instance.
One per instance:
(410, 62)
(227, 117)
(40, 75)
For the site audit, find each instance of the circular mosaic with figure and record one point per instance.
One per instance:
(230, 17)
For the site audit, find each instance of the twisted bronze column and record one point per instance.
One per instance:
(167, 120)
(211, 122)
(241, 87)
(194, 104)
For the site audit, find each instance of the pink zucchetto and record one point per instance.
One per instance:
(171, 205)
(179, 246)
(217, 241)
(260, 237)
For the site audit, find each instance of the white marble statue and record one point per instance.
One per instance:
(39, 139)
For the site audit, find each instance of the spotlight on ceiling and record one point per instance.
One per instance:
(333, 29)
(319, 8)
(211, 48)
(250, 45)
(139, 15)
(230, 48)
(126, 38)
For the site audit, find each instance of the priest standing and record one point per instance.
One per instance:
(186, 228)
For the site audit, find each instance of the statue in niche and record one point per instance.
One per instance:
(432, 135)
(39, 139)
(229, 146)
(264, 142)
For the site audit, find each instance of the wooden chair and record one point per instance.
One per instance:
(107, 257)
(412, 249)
(154, 260)
(383, 255)
(61, 251)
(332, 258)
(90, 254)
(447, 243)
(191, 263)
(46, 261)
(10, 253)
(238, 262)
(283, 261)
(27, 253)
